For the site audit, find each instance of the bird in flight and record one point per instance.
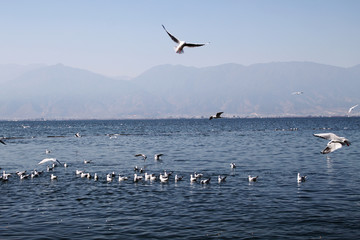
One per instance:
(218, 115)
(181, 44)
(335, 143)
(350, 109)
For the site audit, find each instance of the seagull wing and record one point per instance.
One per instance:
(48, 160)
(171, 36)
(1, 141)
(350, 109)
(218, 114)
(331, 146)
(328, 136)
(194, 44)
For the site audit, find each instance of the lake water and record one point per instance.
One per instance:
(326, 206)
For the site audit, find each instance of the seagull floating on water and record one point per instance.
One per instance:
(181, 44)
(232, 165)
(87, 161)
(178, 178)
(221, 179)
(77, 134)
(301, 178)
(53, 177)
(217, 115)
(252, 179)
(192, 178)
(335, 143)
(205, 181)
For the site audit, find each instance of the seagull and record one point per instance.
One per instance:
(221, 179)
(152, 177)
(157, 156)
(141, 155)
(232, 165)
(47, 151)
(137, 178)
(218, 115)
(1, 141)
(192, 178)
(77, 134)
(122, 178)
(109, 177)
(335, 143)
(301, 178)
(205, 181)
(297, 93)
(78, 172)
(6, 175)
(65, 165)
(252, 179)
(96, 177)
(53, 177)
(181, 44)
(54, 160)
(178, 178)
(350, 109)
(87, 161)
(198, 175)
(163, 178)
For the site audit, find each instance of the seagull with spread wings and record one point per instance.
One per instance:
(181, 44)
(335, 143)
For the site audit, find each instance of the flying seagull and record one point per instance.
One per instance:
(49, 160)
(141, 155)
(181, 44)
(350, 109)
(157, 156)
(335, 143)
(218, 115)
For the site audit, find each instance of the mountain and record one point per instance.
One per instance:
(259, 90)
(58, 91)
(255, 90)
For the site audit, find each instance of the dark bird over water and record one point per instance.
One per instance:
(218, 115)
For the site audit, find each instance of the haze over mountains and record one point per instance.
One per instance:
(259, 90)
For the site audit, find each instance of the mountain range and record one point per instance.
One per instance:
(174, 91)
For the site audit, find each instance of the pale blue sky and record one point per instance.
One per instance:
(126, 38)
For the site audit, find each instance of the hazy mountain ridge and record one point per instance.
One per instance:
(61, 92)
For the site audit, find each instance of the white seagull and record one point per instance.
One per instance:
(54, 160)
(335, 143)
(252, 179)
(205, 181)
(181, 44)
(192, 178)
(157, 156)
(53, 177)
(141, 155)
(178, 178)
(301, 178)
(232, 165)
(221, 179)
(350, 109)
(77, 134)
(218, 115)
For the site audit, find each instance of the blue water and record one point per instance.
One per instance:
(326, 206)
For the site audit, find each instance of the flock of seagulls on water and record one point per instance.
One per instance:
(335, 142)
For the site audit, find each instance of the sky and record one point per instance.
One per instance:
(125, 37)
